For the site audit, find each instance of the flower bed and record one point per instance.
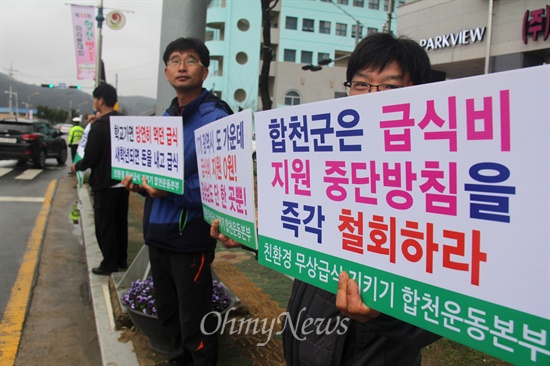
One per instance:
(140, 297)
(139, 300)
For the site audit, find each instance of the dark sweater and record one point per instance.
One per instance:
(97, 154)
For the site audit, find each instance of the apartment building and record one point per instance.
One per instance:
(318, 33)
(466, 38)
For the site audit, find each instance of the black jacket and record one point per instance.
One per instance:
(384, 341)
(97, 154)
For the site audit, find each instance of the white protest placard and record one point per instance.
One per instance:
(435, 199)
(150, 147)
(226, 174)
(79, 156)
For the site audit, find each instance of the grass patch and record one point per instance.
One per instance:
(446, 352)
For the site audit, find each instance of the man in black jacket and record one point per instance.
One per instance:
(380, 62)
(110, 197)
(361, 335)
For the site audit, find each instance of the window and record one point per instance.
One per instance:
(374, 4)
(290, 55)
(291, 23)
(341, 29)
(308, 25)
(371, 31)
(292, 98)
(242, 58)
(209, 35)
(307, 57)
(322, 56)
(386, 5)
(40, 128)
(353, 29)
(324, 27)
(343, 2)
(359, 3)
(239, 95)
(243, 25)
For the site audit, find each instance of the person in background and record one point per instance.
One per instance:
(75, 135)
(180, 247)
(110, 197)
(380, 62)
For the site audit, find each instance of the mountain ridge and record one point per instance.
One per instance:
(80, 100)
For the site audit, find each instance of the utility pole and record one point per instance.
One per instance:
(70, 106)
(179, 19)
(100, 18)
(489, 34)
(358, 24)
(10, 92)
(390, 12)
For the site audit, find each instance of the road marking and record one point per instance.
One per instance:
(4, 171)
(29, 174)
(16, 310)
(21, 199)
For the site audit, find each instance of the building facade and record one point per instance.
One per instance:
(303, 32)
(473, 37)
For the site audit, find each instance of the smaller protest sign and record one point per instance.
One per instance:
(150, 147)
(226, 174)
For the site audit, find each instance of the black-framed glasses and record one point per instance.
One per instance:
(363, 87)
(189, 62)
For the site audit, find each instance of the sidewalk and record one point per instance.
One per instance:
(263, 294)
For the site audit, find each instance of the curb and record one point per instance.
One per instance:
(113, 351)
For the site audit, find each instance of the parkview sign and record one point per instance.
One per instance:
(465, 37)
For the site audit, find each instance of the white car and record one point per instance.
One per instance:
(65, 128)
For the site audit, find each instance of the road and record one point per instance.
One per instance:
(47, 316)
(22, 191)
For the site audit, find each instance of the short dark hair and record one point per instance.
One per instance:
(188, 44)
(107, 92)
(378, 50)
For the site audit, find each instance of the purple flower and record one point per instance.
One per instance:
(141, 297)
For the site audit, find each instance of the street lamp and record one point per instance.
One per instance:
(70, 106)
(30, 96)
(311, 67)
(29, 105)
(323, 62)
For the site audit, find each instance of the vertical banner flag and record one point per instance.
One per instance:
(150, 147)
(84, 41)
(434, 198)
(226, 174)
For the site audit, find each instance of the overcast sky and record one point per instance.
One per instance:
(38, 42)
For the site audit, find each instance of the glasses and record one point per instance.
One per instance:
(361, 86)
(189, 62)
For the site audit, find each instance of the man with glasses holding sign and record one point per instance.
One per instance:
(379, 63)
(180, 247)
(364, 336)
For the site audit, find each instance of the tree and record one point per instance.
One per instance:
(52, 115)
(267, 53)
